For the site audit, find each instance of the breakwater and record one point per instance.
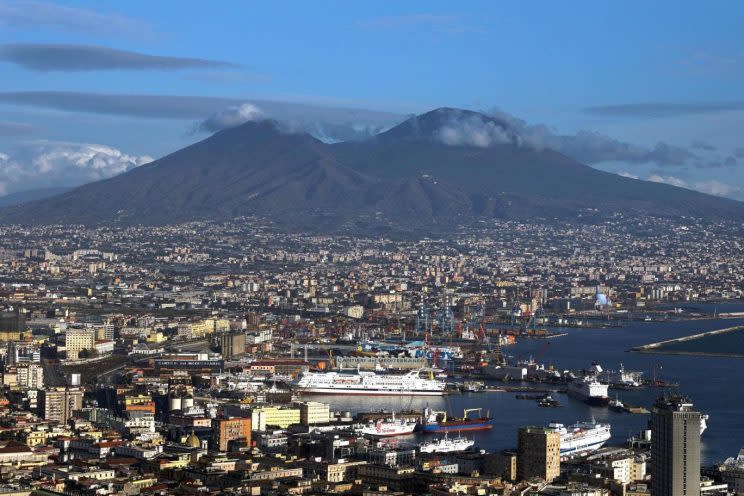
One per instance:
(661, 347)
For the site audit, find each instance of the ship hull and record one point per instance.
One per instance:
(579, 450)
(597, 401)
(455, 427)
(388, 434)
(369, 392)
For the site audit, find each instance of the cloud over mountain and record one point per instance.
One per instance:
(50, 163)
(231, 117)
(472, 129)
(60, 57)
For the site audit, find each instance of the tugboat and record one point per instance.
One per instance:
(437, 421)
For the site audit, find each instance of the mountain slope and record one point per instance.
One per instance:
(506, 179)
(446, 166)
(30, 195)
(253, 168)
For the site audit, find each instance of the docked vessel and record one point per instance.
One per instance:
(370, 383)
(389, 427)
(438, 421)
(616, 405)
(589, 390)
(582, 437)
(548, 401)
(623, 379)
(446, 445)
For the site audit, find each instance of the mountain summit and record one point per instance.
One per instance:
(446, 166)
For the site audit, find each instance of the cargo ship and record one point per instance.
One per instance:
(438, 421)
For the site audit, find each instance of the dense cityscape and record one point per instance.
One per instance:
(207, 358)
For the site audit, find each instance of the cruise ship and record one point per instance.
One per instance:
(582, 437)
(370, 383)
(589, 390)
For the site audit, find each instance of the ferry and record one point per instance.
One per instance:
(370, 383)
(581, 437)
(589, 390)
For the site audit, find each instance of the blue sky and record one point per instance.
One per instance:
(639, 73)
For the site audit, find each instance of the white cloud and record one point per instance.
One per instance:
(714, 187)
(231, 117)
(473, 131)
(590, 147)
(627, 174)
(671, 180)
(42, 164)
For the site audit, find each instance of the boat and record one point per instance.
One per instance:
(589, 390)
(438, 421)
(548, 401)
(388, 427)
(623, 379)
(703, 423)
(370, 383)
(581, 437)
(617, 405)
(446, 445)
(473, 386)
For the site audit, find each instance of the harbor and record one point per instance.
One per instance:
(605, 346)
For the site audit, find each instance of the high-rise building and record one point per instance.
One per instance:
(232, 344)
(77, 340)
(231, 429)
(59, 403)
(675, 448)
(538, 454)
(11, 354)
(30, 375)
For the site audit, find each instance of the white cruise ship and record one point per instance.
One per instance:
(582, 437)
(589, 390)
(369, 383)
